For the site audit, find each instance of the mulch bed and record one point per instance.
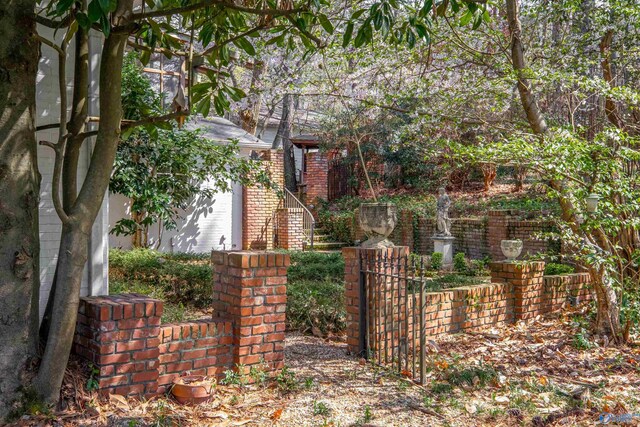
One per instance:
(547, 372)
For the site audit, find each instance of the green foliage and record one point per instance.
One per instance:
(162, 170)
(316, 266)
(317, 304)
(452, 280)
(460, 263)
(235, 377)
(321, 408)
(338, 225)
(258, 374)
(183, 280)
(581, 340)
(286, 380)
(315, 292)
(436, 261)
(92, 381)
(554, 269)
(475, 376)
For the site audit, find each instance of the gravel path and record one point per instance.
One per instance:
(346, 386)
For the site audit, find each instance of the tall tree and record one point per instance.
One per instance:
(283, 139)
(19, 190)
(216, 24)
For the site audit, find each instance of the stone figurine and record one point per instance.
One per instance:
(443, 223)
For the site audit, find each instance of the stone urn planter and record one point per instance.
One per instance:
(378, 220)
(192, 389)
(511, 249)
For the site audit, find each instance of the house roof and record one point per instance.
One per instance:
(221, 131)
(306, 141)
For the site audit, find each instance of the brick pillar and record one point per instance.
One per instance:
(250, 288)
(316, 177)
(119, 335)
(352, 276)
(290, 228)
(497, 231)
(528, 286)
(259, 205)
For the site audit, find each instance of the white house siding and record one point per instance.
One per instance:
(200, 226)
(95, 280)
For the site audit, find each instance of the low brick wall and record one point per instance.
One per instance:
(518, 291)
(468, 308)
(566, 290)
(203, 347)
(121, 335)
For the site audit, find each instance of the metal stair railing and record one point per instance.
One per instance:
(308, 222)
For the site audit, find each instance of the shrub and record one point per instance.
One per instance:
(553, 269)
(316, 266)
(460, 263)
(436, 261)
(315, 292)
(338, 225)
(317, 304)
(178, 278)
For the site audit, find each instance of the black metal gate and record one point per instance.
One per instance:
(392, 311)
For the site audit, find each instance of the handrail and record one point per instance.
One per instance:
(308, 222)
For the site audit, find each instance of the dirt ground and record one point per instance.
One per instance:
(548, 372)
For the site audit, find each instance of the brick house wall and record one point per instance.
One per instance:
(316, 177)
(259, 205)
(134, 354)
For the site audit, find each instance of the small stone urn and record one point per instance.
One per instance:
(378, 220)
(511, 249)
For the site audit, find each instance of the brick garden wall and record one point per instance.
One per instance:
(259, 205)
(475, 237)
(518, 291)
(122, 335)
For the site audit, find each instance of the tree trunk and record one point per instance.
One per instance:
(608, 310)
(531, 109)
(249, 115)
(76, 228)
(607, 304)
(20, 188)
(76, 125)
(283, 137)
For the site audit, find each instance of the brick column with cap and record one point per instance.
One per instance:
(526, 277)
(250, 289)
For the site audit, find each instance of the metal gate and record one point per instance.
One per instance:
(392, 312)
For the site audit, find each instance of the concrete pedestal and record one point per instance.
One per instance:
(444, 245)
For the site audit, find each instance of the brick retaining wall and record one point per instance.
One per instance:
(518, 291)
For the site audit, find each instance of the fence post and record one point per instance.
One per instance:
(357, 261)
(528, 285)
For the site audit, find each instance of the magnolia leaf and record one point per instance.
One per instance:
(326, 24)
(348, 32)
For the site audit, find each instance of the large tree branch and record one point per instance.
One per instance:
(208, 3)
(610, 106)
(531, 109)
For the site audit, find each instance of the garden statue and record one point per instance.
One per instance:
(443, 223)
